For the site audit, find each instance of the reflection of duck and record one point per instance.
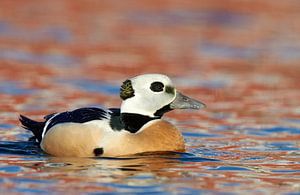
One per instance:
(112, 170)
(134, 128)
(140, 162)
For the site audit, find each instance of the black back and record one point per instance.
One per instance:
(80, 115)
(126, 121)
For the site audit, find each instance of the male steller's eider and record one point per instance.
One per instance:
(136, 127)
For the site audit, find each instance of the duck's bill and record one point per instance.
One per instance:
(183, 102)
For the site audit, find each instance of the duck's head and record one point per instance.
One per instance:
(153, 95)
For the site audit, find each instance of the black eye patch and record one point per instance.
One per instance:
(157, 86)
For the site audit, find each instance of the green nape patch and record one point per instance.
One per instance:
(126, 90)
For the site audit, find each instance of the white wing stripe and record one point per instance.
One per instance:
(47, 123)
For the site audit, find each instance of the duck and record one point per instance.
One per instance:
(136, 127)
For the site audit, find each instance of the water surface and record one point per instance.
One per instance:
(240, 58)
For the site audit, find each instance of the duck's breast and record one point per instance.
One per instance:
(157, 135)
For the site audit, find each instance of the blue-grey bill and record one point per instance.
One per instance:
(184, 102)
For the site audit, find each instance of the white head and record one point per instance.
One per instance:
(151, 94)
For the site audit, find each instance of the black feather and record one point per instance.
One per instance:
(35, 127)
(134, 122)
(80, 115)
(47, 117)
(98, 151)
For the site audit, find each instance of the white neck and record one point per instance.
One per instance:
(132, 105)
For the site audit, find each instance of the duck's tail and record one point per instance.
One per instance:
(34, 126)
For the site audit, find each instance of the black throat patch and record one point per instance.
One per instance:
(134, 122)
(128, 121)
(159, 113)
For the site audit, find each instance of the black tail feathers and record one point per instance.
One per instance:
(35, 127)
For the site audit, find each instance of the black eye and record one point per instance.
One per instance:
(157, 86)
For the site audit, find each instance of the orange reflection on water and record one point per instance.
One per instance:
(240, 58)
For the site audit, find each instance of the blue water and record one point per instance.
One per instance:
(240, 59)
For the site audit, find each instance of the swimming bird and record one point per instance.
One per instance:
(136, 127)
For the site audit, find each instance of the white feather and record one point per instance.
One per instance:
(145, 101)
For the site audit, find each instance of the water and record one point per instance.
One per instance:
(241, 59)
